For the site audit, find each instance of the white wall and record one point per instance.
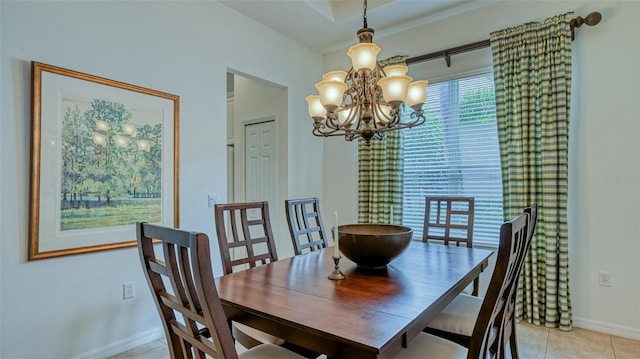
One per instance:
(72, 306)
(604, 160)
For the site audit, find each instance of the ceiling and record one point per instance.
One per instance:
(328, 25)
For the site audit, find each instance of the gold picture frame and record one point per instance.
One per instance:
(104, 155)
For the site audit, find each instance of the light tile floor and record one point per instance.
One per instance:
(533, 343)
(538, 342)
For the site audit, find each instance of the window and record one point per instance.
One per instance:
(456, 154)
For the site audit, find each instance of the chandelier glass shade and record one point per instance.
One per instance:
(365, 101)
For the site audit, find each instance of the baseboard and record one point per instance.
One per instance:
(114, 348)
(608, 328)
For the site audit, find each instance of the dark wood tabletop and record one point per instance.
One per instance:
(370, 314)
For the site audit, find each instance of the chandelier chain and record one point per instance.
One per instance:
(364, 16)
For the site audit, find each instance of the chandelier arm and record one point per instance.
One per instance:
(395, 114)
(374, 90)
(352, 135)
(387, 120)
(356, 126)
(360, 89)
(329, 134)
(331, 121)
(349, 98)
(352, 106)
(352, 115)
(404, 125)
(325, 126)
(377, 98)
(418, 116)
(322, 132)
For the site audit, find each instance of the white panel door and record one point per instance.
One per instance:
(260, 162)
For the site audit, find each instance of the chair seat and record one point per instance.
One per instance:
(250, 337)
(268, 351)
(459, 316)
(468, 290)
(429, 346)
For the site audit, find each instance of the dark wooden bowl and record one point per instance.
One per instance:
(373, 245)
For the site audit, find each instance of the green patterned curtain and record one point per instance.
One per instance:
(380, 174)
(532, 71)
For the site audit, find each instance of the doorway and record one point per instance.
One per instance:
(256, 112)
(257, 117)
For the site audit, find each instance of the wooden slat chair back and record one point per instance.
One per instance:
(532, 210)
(450, 219)
(489, 337)
(305, 225)
(246, 241)
(510, 327)
(191, 312)
(244, 235)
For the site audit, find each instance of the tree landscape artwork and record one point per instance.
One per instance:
(104, 156)
(111, 164)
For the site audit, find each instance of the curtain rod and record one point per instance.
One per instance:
(591, 20)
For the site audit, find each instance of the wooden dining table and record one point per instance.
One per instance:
(369, 314)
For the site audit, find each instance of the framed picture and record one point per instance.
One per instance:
(104, 155)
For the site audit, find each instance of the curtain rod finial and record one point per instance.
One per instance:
(591, 20)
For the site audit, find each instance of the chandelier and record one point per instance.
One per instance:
(365, 101)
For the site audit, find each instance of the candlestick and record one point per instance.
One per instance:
(336, 236)
(336, 274)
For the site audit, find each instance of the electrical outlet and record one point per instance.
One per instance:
(604, 279)
(212, 199)
(128, 290)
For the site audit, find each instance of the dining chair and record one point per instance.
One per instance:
(457, 320)
(305, 225)
(244, 235)
(450, 219)
(510, 331)
(488, 335)
(246, 240)
(185, 294)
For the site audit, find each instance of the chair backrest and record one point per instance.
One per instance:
(532, 219)
(488, 337)
(184, 291)
(449, 219)
(305, 224)
(244, 235)
(532, 210)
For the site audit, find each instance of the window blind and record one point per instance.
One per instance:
(456, 154)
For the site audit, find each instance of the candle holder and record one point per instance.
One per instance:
(336, 274)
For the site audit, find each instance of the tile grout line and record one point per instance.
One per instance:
(613, 348)
(546, 347)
